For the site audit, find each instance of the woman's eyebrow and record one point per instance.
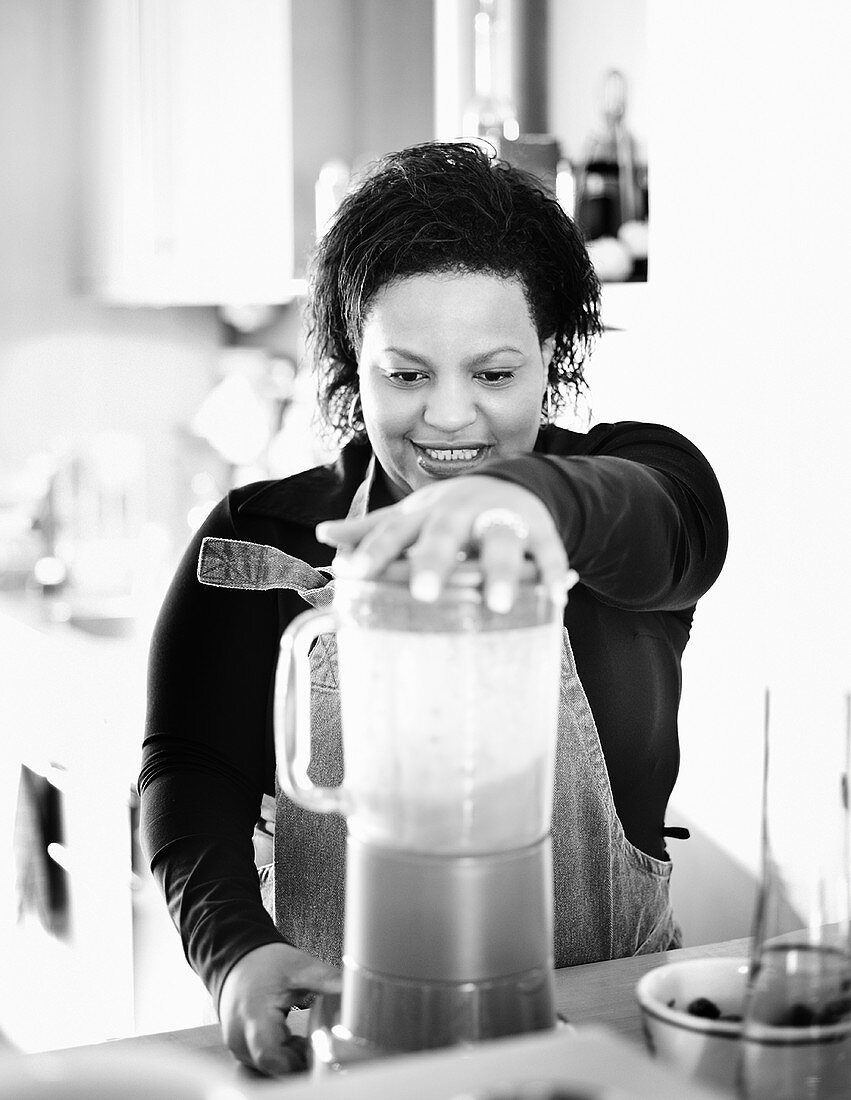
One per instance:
(411, 356)
(473, 360)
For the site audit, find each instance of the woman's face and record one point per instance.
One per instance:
(451, 373)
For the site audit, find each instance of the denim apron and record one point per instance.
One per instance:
(611, 900)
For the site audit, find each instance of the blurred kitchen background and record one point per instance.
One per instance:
(166, 166)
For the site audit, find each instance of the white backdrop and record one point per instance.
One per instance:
(744, 348)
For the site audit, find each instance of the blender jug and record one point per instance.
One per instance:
(449, 718)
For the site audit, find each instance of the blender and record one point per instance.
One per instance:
(449, 716)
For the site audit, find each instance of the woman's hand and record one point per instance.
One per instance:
(504, 521)
(256, 996)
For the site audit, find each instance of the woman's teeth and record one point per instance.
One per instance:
(446, 454)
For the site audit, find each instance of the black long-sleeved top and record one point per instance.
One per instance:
(643, 522)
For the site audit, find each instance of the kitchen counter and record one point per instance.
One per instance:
(598, 998)
(596, 993)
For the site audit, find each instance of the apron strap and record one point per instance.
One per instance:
(233, 563)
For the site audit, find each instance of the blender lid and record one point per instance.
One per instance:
(466, 574)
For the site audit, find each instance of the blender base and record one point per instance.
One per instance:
(439, 950)
(421, 1017)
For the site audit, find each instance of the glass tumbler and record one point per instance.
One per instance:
(796, 1038)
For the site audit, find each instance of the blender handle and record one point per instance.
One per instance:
(292, 713)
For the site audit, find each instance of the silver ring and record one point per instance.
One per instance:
(500, 517)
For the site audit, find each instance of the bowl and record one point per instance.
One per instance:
(704, 1047)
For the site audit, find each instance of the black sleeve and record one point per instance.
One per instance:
(640, 512)
(205, 762)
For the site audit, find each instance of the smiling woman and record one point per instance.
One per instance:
(449, 209)
(452, 306)
(451, 373)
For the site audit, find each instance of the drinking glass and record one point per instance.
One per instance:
(796, 1036)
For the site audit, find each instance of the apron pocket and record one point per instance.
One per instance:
(664, 936)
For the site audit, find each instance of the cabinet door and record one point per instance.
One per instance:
(191, 165)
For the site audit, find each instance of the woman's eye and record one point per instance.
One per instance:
(495, 377)
(406, 377)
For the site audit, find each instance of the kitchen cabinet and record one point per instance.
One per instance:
(188, 173)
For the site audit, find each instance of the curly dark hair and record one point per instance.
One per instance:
(447, 208)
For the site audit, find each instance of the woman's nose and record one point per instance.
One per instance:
(450, 408)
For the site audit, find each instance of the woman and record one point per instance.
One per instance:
(452, 305)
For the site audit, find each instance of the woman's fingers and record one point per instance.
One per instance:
(256, 997)
(346, 532)
(272, 1048)
(503, 548)
(503, 521)
(369, 543)
(549, 555)
(443, 534)
(501, 556)
(381, 543)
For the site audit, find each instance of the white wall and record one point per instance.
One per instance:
(744, 348)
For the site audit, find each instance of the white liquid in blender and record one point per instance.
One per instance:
(449, 738)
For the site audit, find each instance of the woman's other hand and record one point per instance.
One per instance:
(256, 997)
(502, 520)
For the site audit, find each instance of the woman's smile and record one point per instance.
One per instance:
(445, 460)
(451, 373)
